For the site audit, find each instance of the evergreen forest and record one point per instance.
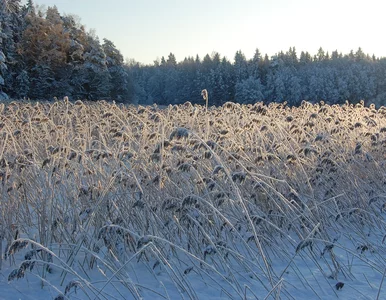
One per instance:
(44, 55)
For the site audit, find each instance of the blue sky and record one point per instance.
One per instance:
(147, 29)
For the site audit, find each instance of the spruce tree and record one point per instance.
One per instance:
(121, 88)
(93, 78)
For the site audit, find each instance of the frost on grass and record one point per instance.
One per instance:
(240, 201)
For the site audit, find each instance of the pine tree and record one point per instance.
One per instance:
(219, 80)
(360, 55)
(321, 54)
(207, 64)
(305, 58)
(216, 59)
(21, 85)
(171, 77)
(172, 61)
(3, 66)
(92, 78)
(3, 69)
(254, 63)
(249, 90)
(75, 56)
(17, 80)
(187, 90)
(29, 8)
(291, 57)
(240, 67)
(155, 86)
(42, 82)
(10, 27)
(121, 86)
(334, 55)
(45, 44)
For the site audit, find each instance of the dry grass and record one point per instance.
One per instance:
(131, 184)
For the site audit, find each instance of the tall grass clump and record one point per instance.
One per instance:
(240, 199)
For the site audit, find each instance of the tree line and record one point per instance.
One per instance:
(286, 76)
(45, 55)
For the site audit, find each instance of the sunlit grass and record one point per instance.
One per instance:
(240, 203)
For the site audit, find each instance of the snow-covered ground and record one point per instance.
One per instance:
(342, 269)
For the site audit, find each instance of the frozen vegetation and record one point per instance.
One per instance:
(269, 194)
(105, 201)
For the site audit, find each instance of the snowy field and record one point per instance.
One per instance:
(102, 201)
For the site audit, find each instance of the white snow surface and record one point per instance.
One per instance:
(304, 272)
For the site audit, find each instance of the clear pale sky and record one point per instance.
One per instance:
(147, 29)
